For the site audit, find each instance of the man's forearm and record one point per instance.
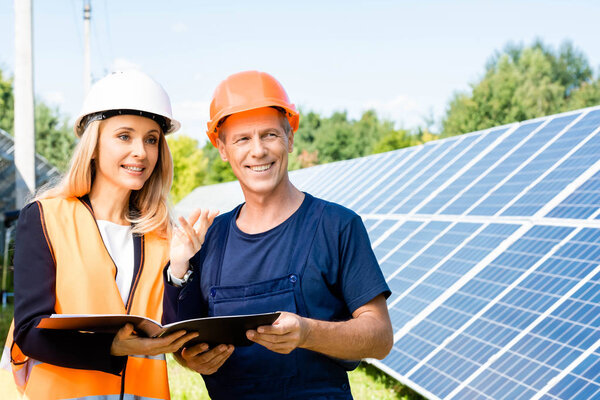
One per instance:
(367, 335)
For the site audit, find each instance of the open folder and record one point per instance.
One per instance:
(212, 330)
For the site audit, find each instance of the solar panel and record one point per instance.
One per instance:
(490, 242)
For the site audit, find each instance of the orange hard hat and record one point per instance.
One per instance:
(246, 91)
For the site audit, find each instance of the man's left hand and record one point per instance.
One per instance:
(287, 333)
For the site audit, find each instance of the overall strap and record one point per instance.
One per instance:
(305, 233)
(221, 238)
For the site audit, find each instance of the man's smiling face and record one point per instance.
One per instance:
(256, 145)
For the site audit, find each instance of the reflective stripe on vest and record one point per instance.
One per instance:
(85, 284)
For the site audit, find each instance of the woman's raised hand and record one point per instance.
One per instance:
(186, 240)
(127, 343)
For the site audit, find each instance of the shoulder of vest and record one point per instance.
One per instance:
(61, 201)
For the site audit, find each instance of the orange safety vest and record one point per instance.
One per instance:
(85, 284)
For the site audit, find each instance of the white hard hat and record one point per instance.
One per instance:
(127, 92)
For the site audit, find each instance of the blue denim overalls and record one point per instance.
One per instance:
(254, 372)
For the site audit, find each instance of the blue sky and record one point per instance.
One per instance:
(405, 59)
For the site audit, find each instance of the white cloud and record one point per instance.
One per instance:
(55, 98)
(179, 27)
(402, 109)
(122, 64)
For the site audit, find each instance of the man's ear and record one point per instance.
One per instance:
(290, 141)
(221, 148)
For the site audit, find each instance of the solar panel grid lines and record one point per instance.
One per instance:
(404, 189)
(552, 163)
(550, 347)
(568, 157)
(487, 204)
(483, 175)
(480, 171)
(523, 332)
(458, 284)
(391, 227)
(418, 342)
(408, 154)
(595, 215)
(578, 381)
(582, 201)
(496, 136)
(432, 270)
(408, 230)
(364, 177)
(303, 177)
(330, 173)
(591, 175)
(449, 162)
(438, 233)
(347, 174)
(467, 173)
(497, 276)
(373, 177)
(384, 190)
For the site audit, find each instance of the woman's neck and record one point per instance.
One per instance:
(110, 205)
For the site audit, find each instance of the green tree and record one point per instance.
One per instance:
(218, 170)
(54, 138)
(588, 94)
(338, 138)
(394, 140)
(189, 166)
(522, 83)
(7, 104)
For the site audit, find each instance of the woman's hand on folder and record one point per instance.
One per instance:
(186, 240)
(202, 360)
(126, 343)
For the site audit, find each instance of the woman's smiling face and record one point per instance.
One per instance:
(127, 151)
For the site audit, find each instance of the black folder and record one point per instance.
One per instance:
(212, 330)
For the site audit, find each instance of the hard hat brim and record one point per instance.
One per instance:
(291, 113)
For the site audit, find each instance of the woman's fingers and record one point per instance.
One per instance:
(125, 332)
(190, 232)
(206, 221)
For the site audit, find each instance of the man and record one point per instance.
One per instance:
(281, 250)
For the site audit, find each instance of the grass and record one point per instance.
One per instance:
(366, 382)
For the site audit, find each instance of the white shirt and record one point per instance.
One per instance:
(119, 242)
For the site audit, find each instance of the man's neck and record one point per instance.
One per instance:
(262, 212)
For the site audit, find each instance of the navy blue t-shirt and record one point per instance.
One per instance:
(341, 272)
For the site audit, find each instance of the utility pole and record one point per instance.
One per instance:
(24, 154)
(87, 64)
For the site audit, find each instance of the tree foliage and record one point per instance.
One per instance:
(218, 170)
(54, 139)
(321, 140)
(7, 104)
(189, 166)
(520, 83)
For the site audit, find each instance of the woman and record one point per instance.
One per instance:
(96, 243)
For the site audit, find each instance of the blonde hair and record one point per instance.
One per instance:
(148, 207)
